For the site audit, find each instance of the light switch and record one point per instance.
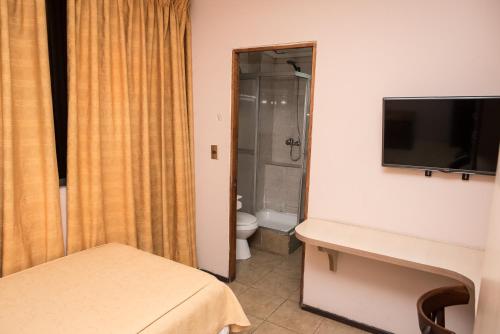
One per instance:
(213, 152)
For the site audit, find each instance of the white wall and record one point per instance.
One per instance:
(366, 50)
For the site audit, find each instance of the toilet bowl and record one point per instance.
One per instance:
(246, 225)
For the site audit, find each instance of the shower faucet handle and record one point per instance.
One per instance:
(292, 142)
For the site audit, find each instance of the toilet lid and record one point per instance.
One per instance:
(243, 218)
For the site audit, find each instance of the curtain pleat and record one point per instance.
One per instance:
(130, 132)
(30, 223)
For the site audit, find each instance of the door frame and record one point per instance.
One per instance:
(233, 178)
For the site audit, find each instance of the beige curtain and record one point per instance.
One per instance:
(30, 224)
(130, 145)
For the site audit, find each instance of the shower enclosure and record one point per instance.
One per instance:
(272, 146)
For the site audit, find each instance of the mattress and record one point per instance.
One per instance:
(116, 289)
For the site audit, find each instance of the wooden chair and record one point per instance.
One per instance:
(430, 308)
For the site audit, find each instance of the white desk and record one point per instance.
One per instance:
(460, 263)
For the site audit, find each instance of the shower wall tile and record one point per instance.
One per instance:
(282, 66)
(246, 133)
(285, 122)
(281, 152)
(250, 62)
(278, 187)
(259, 203)
(274, 188)
(293, 187)
(266, 133)
(282, 187)
(266, 116)
(267, 63)
(304, 63)
(247, 114)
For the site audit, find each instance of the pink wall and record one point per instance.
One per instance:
(488, 319)
(366, 50)
(379, 294)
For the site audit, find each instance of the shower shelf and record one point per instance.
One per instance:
(283, 164)
(249, 98)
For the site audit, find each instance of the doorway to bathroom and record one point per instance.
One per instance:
(272, 91)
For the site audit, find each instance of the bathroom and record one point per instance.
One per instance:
(273, 148)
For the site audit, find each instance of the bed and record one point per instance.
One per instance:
(117, 289)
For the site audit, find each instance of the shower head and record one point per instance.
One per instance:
(294, 64)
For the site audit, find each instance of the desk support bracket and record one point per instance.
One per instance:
(332, 257)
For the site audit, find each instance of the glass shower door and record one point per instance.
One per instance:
(247, 142)
(282, 143)
(305, 104)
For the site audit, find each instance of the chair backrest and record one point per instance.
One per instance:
(430, 308)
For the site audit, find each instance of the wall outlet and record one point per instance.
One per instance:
(213, 152)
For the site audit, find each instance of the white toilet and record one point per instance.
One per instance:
(246, 225)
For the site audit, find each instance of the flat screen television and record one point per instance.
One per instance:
(449, 134)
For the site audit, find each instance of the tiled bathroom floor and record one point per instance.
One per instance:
(268, 287)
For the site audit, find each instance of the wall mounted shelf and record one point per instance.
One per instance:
(460, 263)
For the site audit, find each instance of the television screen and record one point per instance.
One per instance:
(451, 134)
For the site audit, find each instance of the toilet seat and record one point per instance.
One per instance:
(245, 219)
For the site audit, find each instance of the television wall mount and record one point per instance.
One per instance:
(465, 176)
